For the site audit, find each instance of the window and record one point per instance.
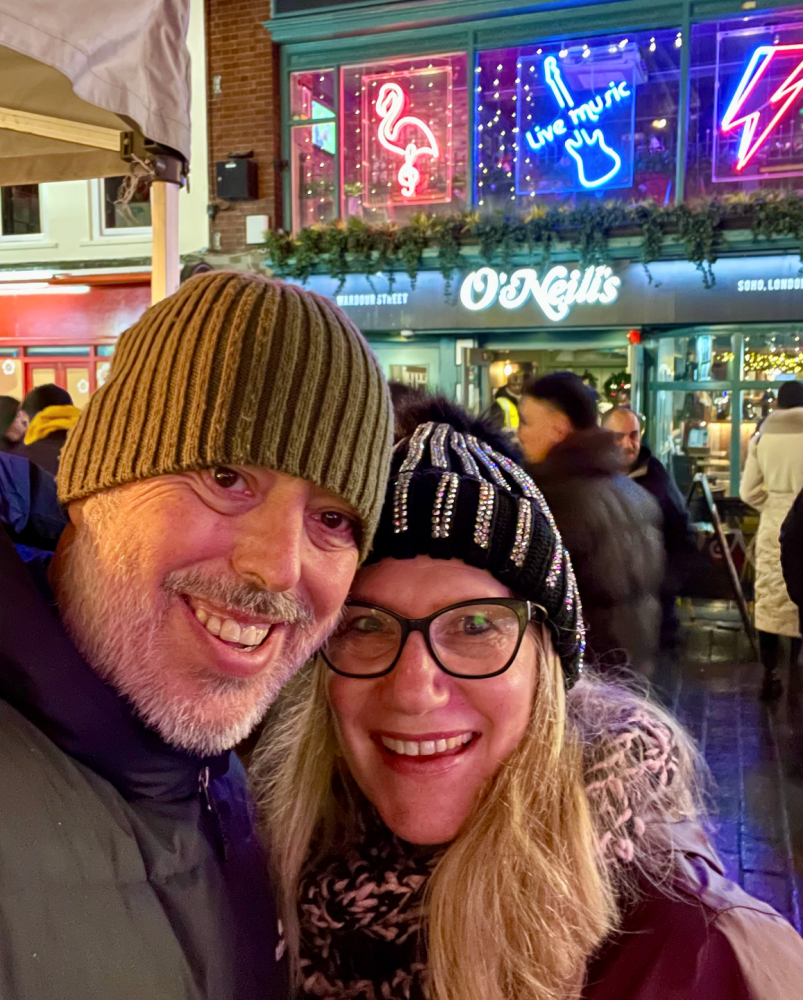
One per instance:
(313, 147)
(21, 215)
(708, 391)
(116, 216)
(560, 122)
(739, 68)
(404, 137)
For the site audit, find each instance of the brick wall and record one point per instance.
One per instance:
(243, 111)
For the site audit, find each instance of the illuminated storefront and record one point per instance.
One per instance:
(449, 107)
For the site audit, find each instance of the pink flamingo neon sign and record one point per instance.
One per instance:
(389, 107)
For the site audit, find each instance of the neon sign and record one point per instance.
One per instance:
(555, 293)
(772, 109)
(389, 106)
(578, 132)
(407, 119)
(756, 135)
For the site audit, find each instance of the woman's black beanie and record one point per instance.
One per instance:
(456, 491)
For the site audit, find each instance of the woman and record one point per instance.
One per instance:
(449, 823)
(772, 478)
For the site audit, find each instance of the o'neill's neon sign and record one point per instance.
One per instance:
(555, 293)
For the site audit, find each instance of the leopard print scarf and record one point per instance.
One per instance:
(361, 913)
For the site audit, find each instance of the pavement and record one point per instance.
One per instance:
(754, 752)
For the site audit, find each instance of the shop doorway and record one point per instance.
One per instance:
(602, 368)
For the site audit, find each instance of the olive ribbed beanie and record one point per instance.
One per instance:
(236, 369)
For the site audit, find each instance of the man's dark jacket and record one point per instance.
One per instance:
(792, 552)
(680, 550)
(128, 870)
(611, 528)
(45, 451)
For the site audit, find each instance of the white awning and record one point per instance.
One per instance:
(76, 76)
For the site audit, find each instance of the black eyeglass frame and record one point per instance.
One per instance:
(524, 612)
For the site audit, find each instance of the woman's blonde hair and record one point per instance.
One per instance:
(517, 901)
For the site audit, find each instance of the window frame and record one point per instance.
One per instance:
(97, 203)
(507, 30)
(11, 240)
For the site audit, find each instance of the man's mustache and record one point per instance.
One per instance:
(239, 595)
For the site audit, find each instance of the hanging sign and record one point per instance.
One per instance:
(758, 129)
(576, 120)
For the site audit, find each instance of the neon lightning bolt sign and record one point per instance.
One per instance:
(774, 109)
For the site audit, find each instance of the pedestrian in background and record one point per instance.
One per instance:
(15, 432)
(611, 527)
(504, 412)
(772, 478)
(640, 465)
(8, 414)
(51, 414)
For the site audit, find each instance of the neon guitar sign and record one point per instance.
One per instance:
(575, 137)
(390, 104)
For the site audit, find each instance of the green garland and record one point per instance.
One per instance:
(355, 247)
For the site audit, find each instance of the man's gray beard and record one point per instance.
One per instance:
(120, 634)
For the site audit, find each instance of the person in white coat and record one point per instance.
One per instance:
(772, 478)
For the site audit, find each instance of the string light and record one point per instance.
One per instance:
(784, 364)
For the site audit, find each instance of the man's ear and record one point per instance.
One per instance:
(75, 512)
(564, 425)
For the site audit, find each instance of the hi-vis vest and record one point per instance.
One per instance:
(510, 411)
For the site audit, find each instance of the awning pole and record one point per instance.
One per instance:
(164, 221)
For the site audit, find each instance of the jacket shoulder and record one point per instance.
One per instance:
(708, 939)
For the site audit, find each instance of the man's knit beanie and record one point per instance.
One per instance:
(236, 369)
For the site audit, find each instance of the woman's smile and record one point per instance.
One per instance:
(421, 743)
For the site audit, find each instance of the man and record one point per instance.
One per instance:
(609, 525)
(638, 462)
(217, 514)
(51, 414)
(504, 412)
(15, 431)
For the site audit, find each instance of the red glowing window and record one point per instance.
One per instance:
(399, 145)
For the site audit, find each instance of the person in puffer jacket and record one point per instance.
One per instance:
(772, 478)
(610, 525)
(208, 523)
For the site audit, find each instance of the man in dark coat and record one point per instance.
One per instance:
(643, 468)
(214, 520)
(792, 553)
(792, 565)
(610, 526)
(51, 414)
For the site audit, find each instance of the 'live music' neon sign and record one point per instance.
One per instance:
(576, 115)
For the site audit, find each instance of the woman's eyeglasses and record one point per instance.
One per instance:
(471, 639)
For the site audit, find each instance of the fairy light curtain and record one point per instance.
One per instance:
(567, 120)
(404, 138)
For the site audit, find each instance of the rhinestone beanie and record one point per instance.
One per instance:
(453, 495)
